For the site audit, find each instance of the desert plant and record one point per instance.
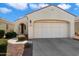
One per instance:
(10, 35)
(21, 37)
(2, 32)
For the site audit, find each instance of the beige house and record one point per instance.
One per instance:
(48, 22)
(5, 25)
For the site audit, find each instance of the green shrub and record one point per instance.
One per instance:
(10, 35)
(3, 46)
(2, 32)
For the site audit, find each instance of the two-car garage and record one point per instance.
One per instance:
(51, 29)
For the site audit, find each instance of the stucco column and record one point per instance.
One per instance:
(30, 29)
(72, 27)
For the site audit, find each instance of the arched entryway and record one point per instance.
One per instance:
(22, 28)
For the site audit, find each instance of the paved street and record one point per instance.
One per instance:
(55, 47)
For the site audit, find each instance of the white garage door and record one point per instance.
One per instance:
(51, 30)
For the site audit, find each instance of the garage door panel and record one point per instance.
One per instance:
(51, 30)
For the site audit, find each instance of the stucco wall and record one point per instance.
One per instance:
(17, 24)
(52, 13)
(11, 27)
(4, 25)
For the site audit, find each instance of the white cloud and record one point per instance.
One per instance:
(20, 6)
(43, 5)
(64, 6)
(77, 4)
(33, 6)
(5, 10)
(23, 6)
(37, 6)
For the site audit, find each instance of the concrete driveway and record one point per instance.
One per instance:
(55, 47)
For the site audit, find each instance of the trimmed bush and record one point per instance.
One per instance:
(10, 35)
(21, 37)
(3, 47)
(2, 32)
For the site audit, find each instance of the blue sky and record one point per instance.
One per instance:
(14, 11)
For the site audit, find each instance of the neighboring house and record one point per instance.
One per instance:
(48, 22)
(77, 25)
(5, 25)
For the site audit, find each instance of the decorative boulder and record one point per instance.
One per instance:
(21, 37)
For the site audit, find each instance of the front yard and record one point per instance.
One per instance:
(4, 36)
(4, 45)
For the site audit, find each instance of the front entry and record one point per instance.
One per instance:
(22, 28)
